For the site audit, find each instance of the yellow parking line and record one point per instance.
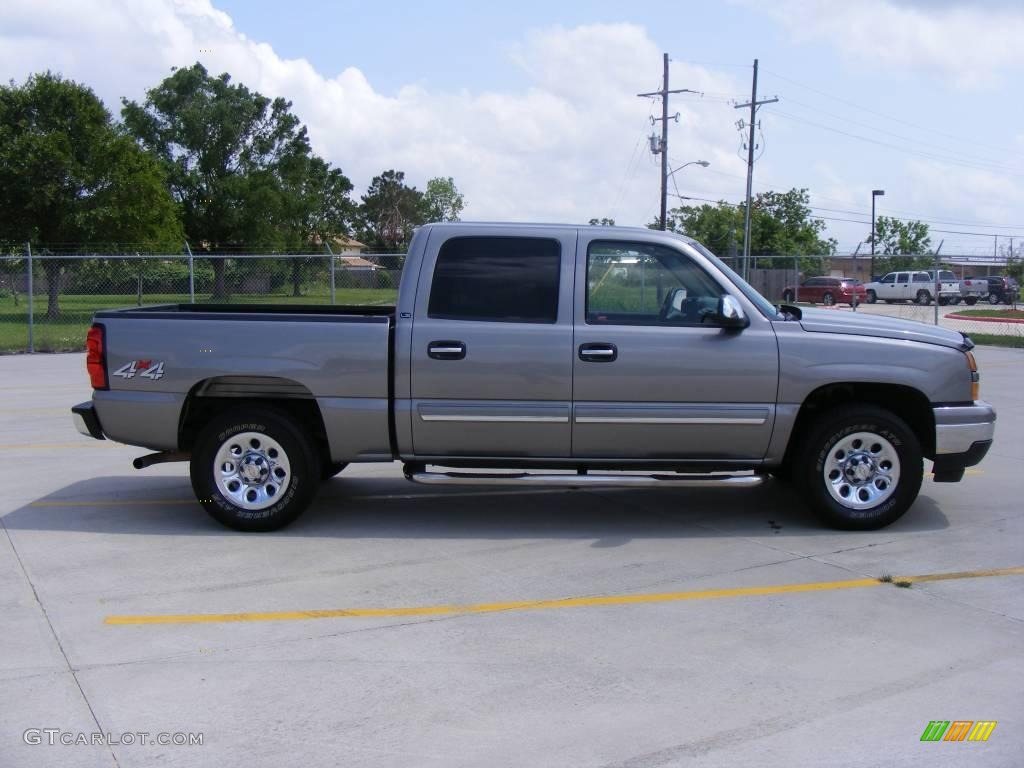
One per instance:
(570, 602)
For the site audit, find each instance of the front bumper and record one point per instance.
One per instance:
(963, 435)
(86, 421)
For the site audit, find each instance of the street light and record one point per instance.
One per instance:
(670, 175)
(874, 194)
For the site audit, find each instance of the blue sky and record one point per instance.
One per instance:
(531, 105)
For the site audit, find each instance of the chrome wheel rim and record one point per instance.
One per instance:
(251, 470)
(862, 470)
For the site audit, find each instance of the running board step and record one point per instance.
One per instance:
(524, 479)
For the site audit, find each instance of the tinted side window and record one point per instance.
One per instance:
(501, 279)
(891, 277)
(922, 277)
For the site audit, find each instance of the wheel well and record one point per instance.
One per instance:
(198, 410)
(908, 403)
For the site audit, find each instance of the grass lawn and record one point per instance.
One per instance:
(1015, 314)
(997, 340)
(67, 332)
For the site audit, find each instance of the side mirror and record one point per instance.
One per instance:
(729, 314)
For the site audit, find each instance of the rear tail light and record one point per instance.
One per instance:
(96, 356)
(975, 378)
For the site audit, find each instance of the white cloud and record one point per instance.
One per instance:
(556, 150)
(968, 44)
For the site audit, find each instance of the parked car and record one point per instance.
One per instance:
(826, 290)
(1002, 290)
(519, 349)
(994, 289)
(909, 285)
(948, 287)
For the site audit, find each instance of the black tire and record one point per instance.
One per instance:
(331, 468)
(273, 427)
(831, 429)
(923, 298)
(943, 301)
(787, 296)
(970, 301)
(993, 298)
(872, 297)
(828, 299)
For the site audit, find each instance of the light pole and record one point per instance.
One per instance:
(874, 194)
(671, 175)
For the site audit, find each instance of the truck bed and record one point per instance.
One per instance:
(217, 311)
(161, 358)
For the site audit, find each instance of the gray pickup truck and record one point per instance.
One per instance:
(544, 355)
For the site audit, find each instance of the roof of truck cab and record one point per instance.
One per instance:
(558, 226)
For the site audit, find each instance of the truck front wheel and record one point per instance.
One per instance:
(861, 467)
(252, 469)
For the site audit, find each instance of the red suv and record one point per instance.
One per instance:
(827, 290)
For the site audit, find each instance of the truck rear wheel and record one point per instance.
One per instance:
(252, 469)
(861, 467)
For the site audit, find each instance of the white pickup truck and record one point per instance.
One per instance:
(910, 285)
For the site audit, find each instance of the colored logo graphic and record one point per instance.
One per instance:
(958, 730)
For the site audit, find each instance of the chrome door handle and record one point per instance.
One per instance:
(598, 353)
(446, 350)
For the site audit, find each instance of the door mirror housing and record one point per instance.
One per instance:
(730, 314)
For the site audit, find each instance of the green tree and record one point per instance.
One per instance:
(389, 212)
(780, 225)
(68, 175)
(225, 149)
(901, 245)
(442, 201)
(315, 208)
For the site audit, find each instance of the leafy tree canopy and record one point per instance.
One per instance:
(389, 212)
(68, 175)
(442, 200)
(780, 222)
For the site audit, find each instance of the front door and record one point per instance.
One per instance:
(652, 378)
(491, 362)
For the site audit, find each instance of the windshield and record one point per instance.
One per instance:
(767, 308)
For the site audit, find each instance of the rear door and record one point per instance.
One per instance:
(491, 358)
(653, 380)
(902, 291)
(887, 287)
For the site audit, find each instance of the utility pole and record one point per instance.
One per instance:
(663, 146)
(753, 104)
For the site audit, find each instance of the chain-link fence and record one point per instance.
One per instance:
(47, 299)
(810, 280)
(49, 295)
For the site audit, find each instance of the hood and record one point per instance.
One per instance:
(864, 324)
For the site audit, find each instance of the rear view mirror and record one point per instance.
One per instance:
(729, 314)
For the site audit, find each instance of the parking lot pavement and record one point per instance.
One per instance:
(672, 655)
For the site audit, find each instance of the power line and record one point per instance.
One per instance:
(991, 167)
(866, 222)
(930, 128)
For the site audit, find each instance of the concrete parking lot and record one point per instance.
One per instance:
(126, 610)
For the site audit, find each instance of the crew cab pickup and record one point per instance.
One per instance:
(914, 285)
(548, 355)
